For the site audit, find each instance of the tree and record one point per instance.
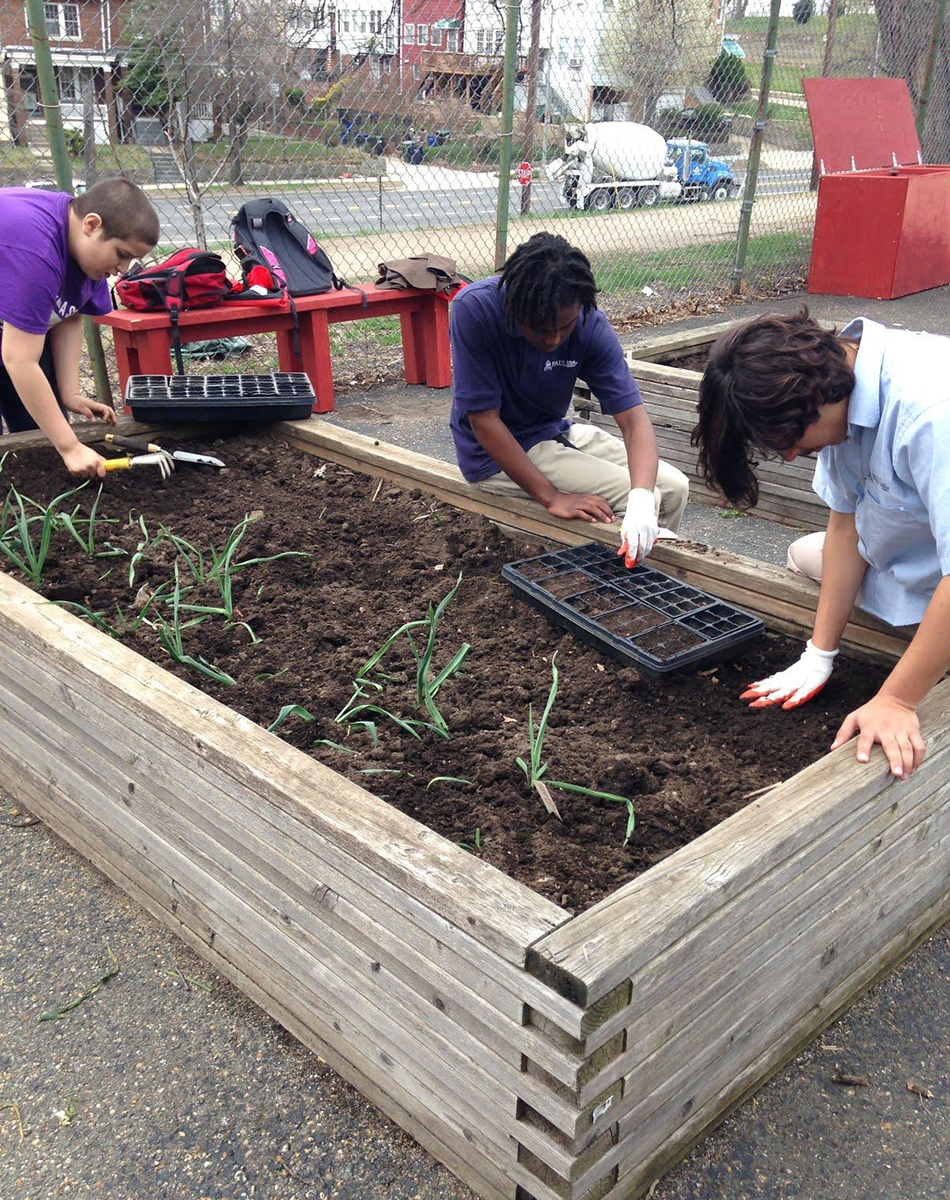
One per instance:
(803, 11)
(728, 80)
(649, 47)
(905, 28)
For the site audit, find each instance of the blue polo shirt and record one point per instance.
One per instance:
(495, 368)
(893, 470)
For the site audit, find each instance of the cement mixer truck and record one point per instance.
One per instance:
(621, 164)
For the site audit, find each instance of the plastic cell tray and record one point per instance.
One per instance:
(279, 396)
(640, 617)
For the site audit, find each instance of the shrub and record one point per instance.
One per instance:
(728, 80)
(294, 97)
(75, 143)
(803, 11)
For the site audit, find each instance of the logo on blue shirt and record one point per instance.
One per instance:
(567, 363)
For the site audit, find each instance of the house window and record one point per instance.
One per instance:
(562, 51)
(62, 20)
(69, 84)
(409, 35)
(361, 20)
(344, 22)
(490, 41)
(579, 44)
(422, 35)
(376, 21)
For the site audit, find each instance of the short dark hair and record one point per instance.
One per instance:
(763, 385)
(125, 210)
(545, 274)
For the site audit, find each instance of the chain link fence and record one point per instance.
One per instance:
(381, 127)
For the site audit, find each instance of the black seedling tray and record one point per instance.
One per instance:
(280, 396)
(640, 617)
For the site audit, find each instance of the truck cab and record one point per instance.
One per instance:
(702, 177)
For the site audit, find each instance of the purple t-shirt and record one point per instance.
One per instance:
(42, 284)
(494, 368)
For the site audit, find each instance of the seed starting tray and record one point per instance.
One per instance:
(640, 617)
(280, 396)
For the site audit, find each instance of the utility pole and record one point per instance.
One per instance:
(531, 104)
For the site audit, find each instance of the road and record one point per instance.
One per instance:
(363, 208)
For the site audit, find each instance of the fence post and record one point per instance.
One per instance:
(507, 122)
(755, 147)
(939, 16)
(49, 99)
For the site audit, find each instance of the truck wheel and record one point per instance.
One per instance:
(626, 199)
(600, 200)
(649, 197)
(719, 191)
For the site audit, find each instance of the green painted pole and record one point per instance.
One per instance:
(755, 148)
(507, 123)
(53, 113)
(939, 17)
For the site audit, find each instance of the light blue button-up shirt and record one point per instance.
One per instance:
(893, 471)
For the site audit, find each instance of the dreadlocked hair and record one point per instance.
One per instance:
(763, 385)
(545, 274)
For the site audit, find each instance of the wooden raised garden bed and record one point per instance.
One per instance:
(539, 1055)
(668, 370)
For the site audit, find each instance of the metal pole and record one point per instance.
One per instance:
(49, 101)
(507, 122)
(826, 71)
(531, 102)
(755, 147)
(935, 37)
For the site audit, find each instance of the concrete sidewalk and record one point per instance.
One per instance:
(157, 1089)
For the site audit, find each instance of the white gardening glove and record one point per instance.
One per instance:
(796, 683)
(640, 528)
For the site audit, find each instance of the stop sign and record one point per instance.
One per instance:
(523, 173)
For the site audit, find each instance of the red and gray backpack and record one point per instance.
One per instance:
(191, 279)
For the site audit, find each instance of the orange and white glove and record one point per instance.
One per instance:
(639, 528)
(796, 683)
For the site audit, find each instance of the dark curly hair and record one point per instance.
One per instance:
(763, 385)
(545, 274)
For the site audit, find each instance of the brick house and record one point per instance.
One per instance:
(85, 40)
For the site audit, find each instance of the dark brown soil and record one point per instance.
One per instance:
(691, 362)
(592, 604)
(628, 622)
(669, 641)
(685, 751)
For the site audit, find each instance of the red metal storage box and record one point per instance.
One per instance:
(882, 228)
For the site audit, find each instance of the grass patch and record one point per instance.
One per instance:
(685, 265)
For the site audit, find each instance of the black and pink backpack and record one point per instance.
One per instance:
(266, 230)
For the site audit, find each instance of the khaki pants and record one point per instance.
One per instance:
(805, 556)
(596, 462)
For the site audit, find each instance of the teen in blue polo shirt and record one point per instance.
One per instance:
(875, 403)
(519, 342)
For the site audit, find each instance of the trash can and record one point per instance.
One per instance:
(882, 227)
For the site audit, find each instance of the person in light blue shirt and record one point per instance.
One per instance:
(875, 404)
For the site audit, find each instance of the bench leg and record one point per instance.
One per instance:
(126, 357)
(425, 343)
(413, 361)
(314, 358)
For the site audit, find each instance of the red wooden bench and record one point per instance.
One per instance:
(143, 340)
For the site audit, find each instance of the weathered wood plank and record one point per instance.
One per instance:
(612, 940)
(166, 900)
(241, 868)
(709, 951)
(746, 939)
(466, 1000)
(637, 1177)
(730, 1046)
(500, 913)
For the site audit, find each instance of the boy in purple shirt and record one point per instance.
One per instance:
(519, 341)
(56, 254)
